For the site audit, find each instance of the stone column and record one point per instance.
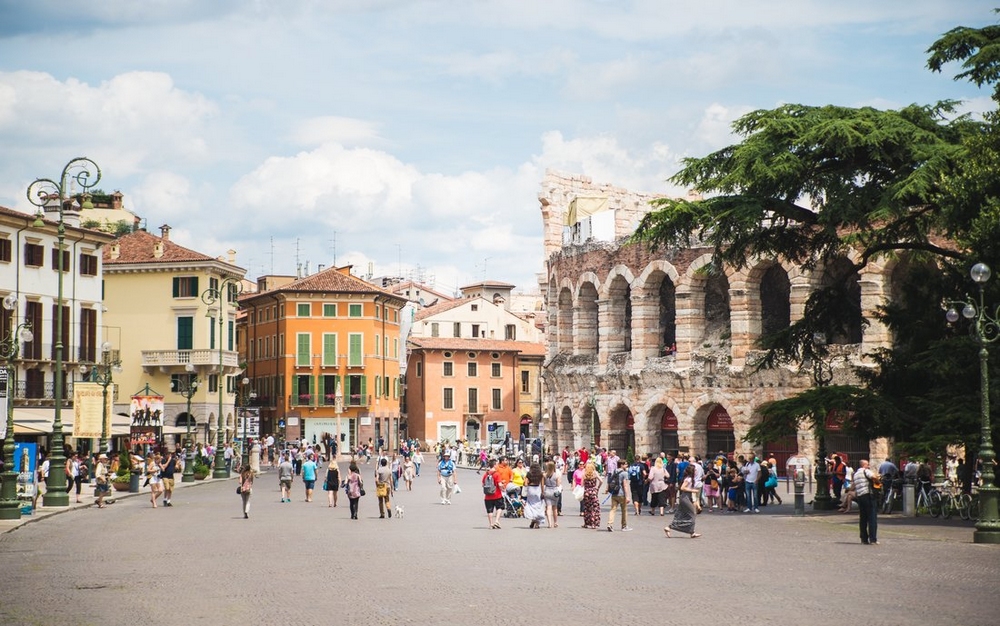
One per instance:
(690, 323)
(645, 326)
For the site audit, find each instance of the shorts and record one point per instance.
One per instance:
(286, 483)
(102, 488)
(168, 484)
(494, 505)
(310, 484)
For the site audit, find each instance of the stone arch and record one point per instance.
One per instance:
(839, 275)
(564, 427)
(655, 311)
(564, 320)
(621, 430)
(587, 316)
(184, 418)
(616, 312)
(552, 307)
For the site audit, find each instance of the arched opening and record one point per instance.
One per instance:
(721, 437)
(782, 449)
(775, 303)
(564, 426)
(669, 441)
(667, 317)
(717, 311)
(587, 320)
(621, 430)
(564, 321)
(619, 316)
(472, 430)
(851, 448)
(525, 430)
(844, 284)
(185, 420)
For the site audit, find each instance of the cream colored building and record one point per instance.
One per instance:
(156, 295)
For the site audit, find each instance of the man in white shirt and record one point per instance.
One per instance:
(865, 497)
(750, 473)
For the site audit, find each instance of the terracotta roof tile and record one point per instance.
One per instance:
(440, 307)
(137, 247)
(332, 280)
(495, 345)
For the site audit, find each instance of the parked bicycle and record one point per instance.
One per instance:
(892, 494)
(928, 498)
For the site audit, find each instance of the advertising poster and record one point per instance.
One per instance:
(248, 422)
(25, 462)
(88, 411)
(147, 420)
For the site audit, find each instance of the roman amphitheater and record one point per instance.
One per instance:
(654, 350)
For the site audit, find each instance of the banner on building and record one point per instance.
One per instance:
(146, 412)
(89, 410)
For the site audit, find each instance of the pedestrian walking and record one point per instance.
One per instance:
(152, 470)
(408, 473)
(170, 467)
(285, 474)
(553, 488)
(396, 468)
(865, 497)
(309, 472)
(492, 494)
(246, 489)
(354, 487)
(418, 460)
(591, 504)
(332, 483)
(638, 471)
(620, 491)
(446, 477)
(657, 480)
(534, 507)
(384, 488)
(103, 485)
(684, 516)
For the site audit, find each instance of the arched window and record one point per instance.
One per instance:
(775, 308)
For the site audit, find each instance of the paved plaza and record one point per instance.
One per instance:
(200, 562)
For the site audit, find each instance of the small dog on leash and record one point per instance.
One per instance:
(399, 512)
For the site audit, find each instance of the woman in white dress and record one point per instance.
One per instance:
(534, 504)
(153, 477)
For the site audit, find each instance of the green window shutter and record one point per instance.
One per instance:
(312, 390)
(355, 352)
(194, 285)
(364, 391)
(303, 349)
(329, 349)
(185, 333)
(177, 287)
(211, 334)
(295, 390)
(232, 330)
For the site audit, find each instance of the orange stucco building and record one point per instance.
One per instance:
(323, 356)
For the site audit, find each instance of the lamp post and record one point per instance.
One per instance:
(103, 374)
(245, 398)
(822, 374)
(593, 415)
(85, 173)
(10, 506)
(227, 290)
(985, 329)
(187, 387)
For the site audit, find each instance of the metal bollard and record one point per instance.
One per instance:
(909, 500)
(800, 493)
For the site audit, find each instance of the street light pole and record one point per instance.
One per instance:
(228, 289)
(187, 387)
(985, 329)
(10, 506)
(593, 415)
(86, 174)
(822, 376)
(244, 397)
(103, 374)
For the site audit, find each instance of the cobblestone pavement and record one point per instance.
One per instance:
(200, 562)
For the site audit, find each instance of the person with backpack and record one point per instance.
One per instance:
(619, 488)
(492, 496)
(637, 474)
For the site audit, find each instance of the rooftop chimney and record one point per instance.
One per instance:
(158, 249)
(165, 232)
(116, 250)
(231, 255)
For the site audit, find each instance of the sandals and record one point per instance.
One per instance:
(667, 531)
(695, 535)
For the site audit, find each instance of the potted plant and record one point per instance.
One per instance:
(122, 479)
(201, 469)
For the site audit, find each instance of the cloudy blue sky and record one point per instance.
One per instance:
(413, 134)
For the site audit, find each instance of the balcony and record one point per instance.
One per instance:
(476, 409)
(173, 361)
(356, 399)
(42, 394)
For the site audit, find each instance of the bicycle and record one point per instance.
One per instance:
(954, 501)
(892, 493)
(929, 498)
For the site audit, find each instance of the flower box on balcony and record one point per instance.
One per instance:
(304, 398)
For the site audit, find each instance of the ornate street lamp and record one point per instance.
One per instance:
(246, 396)
(227, 290)
(10, 506)
(85, 173)
(187, 387)
(822, 374)
(985, 329)
(593, 415)
(103, 374)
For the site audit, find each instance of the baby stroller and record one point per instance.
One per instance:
(512, 505)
